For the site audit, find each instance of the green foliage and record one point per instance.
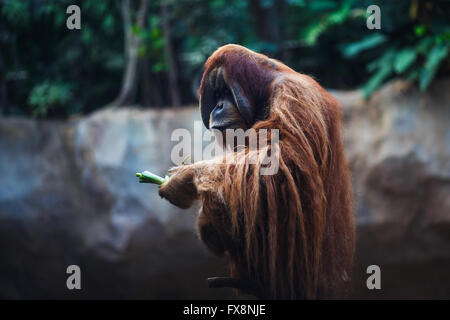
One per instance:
(411, 49)
(48, 96)
(404, 59)
(336, 16)
(17, 12)
(417, 59)
(35, 41)
(353, 49)
(153, 45)
(205, 25)
(438, 52)
(52, 71)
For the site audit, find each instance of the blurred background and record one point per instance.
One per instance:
(82, 110)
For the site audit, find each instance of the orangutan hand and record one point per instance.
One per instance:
(180, 189)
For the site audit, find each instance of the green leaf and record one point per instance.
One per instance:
(377, 79)
(313, 33)
(341, 15)
(419, 30)
(135, 29)
(47, 96)
(158, 67)
(337, 17)
(404, 59)
(87, 35)
(142, 51)
(437, 54)
(154, 33)
(426, 75)
(108, 24)
(369, 42)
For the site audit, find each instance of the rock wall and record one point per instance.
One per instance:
(398, 145)
(69, 196)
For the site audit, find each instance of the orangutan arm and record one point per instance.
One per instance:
(201, 181)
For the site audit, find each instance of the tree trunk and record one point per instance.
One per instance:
(151, 95)
(269, 23)
(168, 50)
(130, 80)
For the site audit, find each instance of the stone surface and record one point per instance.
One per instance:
(69, 196)
(398, 146)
